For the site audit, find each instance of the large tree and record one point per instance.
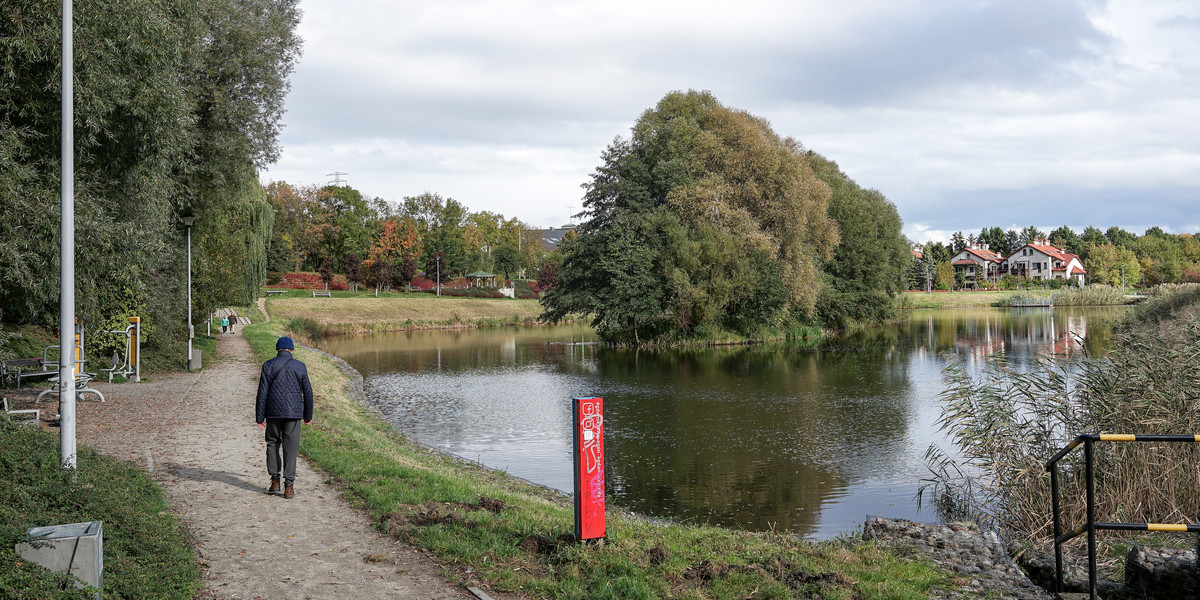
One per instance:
(869, 265)
(721, 193)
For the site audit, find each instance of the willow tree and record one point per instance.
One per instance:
(704, 221)
(177, 105)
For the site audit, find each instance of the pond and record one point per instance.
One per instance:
(756, 437)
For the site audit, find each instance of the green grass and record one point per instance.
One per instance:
(953, 299)
(437, 502)
(146, 553)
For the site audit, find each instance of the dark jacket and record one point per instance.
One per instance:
(283, 390)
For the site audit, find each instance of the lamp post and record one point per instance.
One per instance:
(66, 302)
(438, 258)
(188, 220)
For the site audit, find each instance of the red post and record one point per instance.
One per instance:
(589, 467)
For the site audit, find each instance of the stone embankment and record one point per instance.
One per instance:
(980, 558)
(987, 569)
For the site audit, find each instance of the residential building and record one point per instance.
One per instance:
(1039, 260)
(977, 264)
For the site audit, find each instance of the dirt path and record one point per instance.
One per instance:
(196, 434)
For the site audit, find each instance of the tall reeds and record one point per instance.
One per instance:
(1005, 423)
(1092, 295)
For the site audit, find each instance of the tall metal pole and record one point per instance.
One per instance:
(66, 302)
(188, 221)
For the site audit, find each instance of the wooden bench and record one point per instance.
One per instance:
(274, 292)
(16, 368)
(324, 293)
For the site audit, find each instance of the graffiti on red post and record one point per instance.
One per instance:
(589, 467)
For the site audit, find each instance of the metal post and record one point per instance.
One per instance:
(438, 259)
(189, 290)
(135, 347)
(1058, 577)
(188, 220)
(1091, 518)
(66, 301)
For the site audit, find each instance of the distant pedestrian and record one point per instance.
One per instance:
(284, 398)
(232, 321)
(224, 324)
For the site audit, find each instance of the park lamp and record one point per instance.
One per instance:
(188, 219)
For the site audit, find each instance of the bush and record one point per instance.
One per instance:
(312, 281)
(525, 288)
(467, 292)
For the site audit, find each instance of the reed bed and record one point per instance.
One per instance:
(1005, 424)
(1092, 295)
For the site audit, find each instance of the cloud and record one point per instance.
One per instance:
(954, 110)
(1049, 207)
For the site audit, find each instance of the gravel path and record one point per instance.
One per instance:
(196, 434)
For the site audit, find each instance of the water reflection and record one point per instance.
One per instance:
(754, 437)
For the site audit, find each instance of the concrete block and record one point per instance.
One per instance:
(77, 548)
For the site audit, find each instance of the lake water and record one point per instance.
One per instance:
(760, 437)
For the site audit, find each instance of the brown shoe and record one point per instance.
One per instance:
(288, 493)
(274, 489)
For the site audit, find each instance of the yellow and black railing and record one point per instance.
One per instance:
(1087, 440)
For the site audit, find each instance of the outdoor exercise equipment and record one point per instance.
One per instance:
(130, 365)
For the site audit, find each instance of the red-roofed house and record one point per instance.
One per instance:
(1039, 260)
(977, 264)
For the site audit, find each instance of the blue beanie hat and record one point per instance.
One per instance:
(284, 343)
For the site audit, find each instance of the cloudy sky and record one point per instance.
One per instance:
(964, 113)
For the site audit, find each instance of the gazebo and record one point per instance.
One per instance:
(480, 279)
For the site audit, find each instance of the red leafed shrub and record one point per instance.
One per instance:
(311, 281)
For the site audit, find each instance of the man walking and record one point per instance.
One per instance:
(284, 398)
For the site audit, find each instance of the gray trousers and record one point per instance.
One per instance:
(283, 437)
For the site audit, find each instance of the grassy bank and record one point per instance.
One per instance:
(351, 315)
(954, 299)
(146, 554)
(494, 530)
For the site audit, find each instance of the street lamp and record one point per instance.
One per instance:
(438, 258)
(188, 219)
(66, 305)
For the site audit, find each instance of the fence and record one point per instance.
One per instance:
(1087, 440)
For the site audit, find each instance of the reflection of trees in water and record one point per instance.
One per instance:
(1023, 334)
(750, 437)
(754, 436)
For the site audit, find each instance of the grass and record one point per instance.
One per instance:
(352, 315)
(954, 299)
(146, 552)
(497, 531)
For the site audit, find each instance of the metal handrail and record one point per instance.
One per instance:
(1086, 440)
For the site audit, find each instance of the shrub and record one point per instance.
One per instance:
(467, 292)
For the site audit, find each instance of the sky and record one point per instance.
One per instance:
(965, 114)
